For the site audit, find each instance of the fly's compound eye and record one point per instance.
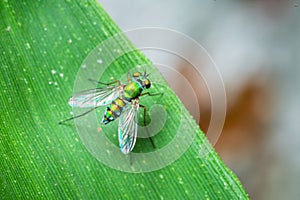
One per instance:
(136, 74)
(147, 83)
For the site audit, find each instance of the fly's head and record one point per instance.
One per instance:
(142, 79)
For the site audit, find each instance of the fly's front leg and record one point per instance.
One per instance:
(144, 122)
(128, 77)
(107, 84)
(149, 94)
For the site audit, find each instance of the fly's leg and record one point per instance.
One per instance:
(128, 77)
(107, 84)
(144, 122)
(74, 117)
(149, 94)
(130, 159)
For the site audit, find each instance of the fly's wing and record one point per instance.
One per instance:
(128, 127)
(95, 97)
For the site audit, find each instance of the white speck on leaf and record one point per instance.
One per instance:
(25, 80)
(99, 61)
(8, 28)
(53, 71)
(180, 181)
(27, 45)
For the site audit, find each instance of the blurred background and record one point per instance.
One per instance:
(256, 45)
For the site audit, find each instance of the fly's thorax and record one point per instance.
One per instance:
(132, 90)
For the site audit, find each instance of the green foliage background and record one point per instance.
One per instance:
(43, 44)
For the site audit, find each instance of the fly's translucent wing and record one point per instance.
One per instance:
(128, 127)
(95, 97)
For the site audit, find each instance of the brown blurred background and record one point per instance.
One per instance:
(256, 46)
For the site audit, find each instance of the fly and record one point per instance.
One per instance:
(122, 101)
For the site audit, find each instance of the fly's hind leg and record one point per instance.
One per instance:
(74, 117)
(130, 159)
(107, 84)
(144, 122)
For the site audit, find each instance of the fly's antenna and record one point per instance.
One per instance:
(145, 75)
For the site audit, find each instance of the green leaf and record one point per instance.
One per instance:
(43, 45)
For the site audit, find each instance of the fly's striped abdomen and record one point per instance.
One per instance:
(113, 111)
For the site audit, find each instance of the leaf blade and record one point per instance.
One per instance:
(43, 160)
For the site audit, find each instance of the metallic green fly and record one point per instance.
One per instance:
(122, 100)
